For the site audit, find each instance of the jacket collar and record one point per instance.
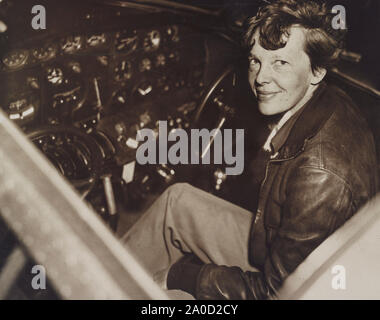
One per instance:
(282, 135)
(307, 123)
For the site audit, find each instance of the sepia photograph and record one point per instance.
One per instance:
(189, 150)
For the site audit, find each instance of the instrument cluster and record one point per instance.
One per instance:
(73, 44)
(106, 85)
(122, 68)
(165, 61)
(121, 42)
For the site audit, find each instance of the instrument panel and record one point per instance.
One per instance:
(121, 42)
(76, 76)
(82, 89)
(105, 85)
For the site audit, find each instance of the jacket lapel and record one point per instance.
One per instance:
(312, 118)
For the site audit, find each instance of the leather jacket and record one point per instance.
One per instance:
(323, 173)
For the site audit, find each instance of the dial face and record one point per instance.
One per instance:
(126, 42)
(18, 105)
(54, 76)
(44, 53)
(71, 44)
(145, 65)
(160, 60)
(96, 40)
(123, 71)
(16, 59)
(152, 41)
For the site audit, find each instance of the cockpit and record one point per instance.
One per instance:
(79, 81)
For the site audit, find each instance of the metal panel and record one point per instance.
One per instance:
(82, 258)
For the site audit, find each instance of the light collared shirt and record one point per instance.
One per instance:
(281, 131)
(267, 145)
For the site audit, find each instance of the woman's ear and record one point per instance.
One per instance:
(318, 75)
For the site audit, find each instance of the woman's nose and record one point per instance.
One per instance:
(264, 75)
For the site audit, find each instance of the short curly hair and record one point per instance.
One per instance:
(323, 43)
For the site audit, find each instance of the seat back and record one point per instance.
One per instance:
(345, 266)
(367, 98)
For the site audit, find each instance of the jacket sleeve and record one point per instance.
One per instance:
(317, 203)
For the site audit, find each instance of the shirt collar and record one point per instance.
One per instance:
(282, 130)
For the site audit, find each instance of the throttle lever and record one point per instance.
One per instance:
(225, 111)
(111, 203)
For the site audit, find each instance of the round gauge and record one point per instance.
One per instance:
(23, 110)
(123, 71)
(16, 59)
(54, 76)
(17, 106)
(160, 60)
(44, 53)
(96, 40)
(145, 65)
(71, 44)
(126, 43)
(152, 41)
(173, 33)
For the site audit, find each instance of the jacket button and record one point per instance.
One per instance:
(258, 215)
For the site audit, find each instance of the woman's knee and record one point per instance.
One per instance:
(178, 197)
(177, 189)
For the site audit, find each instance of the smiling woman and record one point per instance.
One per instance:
(283, 79)
(118, 95)
(309, 185)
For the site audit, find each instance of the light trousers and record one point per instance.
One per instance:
(185, 219)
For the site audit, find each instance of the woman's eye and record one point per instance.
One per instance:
(281, 62)
(253, 62)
